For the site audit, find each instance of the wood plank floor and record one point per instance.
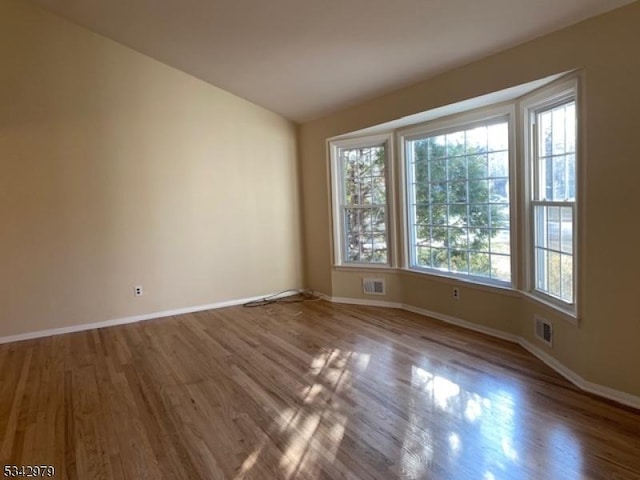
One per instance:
(308, 390)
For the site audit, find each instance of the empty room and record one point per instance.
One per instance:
(320, 240)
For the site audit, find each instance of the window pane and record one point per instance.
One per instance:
(541, 269)
(500, 242)
(478, 166)
(460, 261)
(541, 223)
(545, 179)
(555, 170)
(421, 213)
(556, 161)
(553, 228)
(419, 150)
(567, 278)
(476, 140)
(353, 248)
(457, 192)
(436, 146)
(498, 137)
(439, 236)
(437, 171)
(468, 192)
(545, 136)
(499, 164)
(500, 216)
(364, 204)
(479, 264)
(378, 220)
(439, 214)
(423, 234)
(458, 215)
(571, 127)
(440, 258)
(378, 188)
(379, 248)
(501, 267)
(571, 177)
(499, 190)
(365, 192)
(420, 171)
(455, 144)
(479, 216)
(423, 256)
(378, 163)
(566, 229)
(458, 237)
(354, 219)
(366, 252)
(350, 160)
(438, 192)
(554, 273)
(479, 239)
(421, 192)
(479, 191)
(559, 128)
(458, 167)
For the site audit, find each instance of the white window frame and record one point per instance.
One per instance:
(555, 94)
(460, 121)
(337, 195)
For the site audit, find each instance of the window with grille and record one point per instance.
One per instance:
(553, 203)
(457, 187)
(361, 187)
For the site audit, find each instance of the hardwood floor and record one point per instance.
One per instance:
(308, 390)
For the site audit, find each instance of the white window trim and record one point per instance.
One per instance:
(557, 92)
(461, 120)
(336, 195)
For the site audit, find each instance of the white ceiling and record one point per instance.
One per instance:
(306, 58)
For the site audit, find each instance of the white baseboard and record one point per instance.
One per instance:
(597, 389)
(364, 302)
(122, 321)
(462, 323)
(579, 381)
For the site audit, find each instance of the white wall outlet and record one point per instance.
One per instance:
(456, 293)
(138, 291)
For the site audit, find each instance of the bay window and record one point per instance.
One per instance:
(487, 196)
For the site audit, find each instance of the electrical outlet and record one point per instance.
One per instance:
(456, 293)
(137, 291)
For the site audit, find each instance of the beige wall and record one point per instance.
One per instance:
(604, 348)
(117, 170)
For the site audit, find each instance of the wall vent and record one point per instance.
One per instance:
(373, 286)
(544, 330)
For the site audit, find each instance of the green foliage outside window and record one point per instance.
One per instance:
(460, 201)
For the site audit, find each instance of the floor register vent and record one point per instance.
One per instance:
(373, 286)
(544, 330)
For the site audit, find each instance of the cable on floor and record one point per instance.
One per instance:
(286, 296)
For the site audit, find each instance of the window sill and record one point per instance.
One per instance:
(567, 314)
(364, 267)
